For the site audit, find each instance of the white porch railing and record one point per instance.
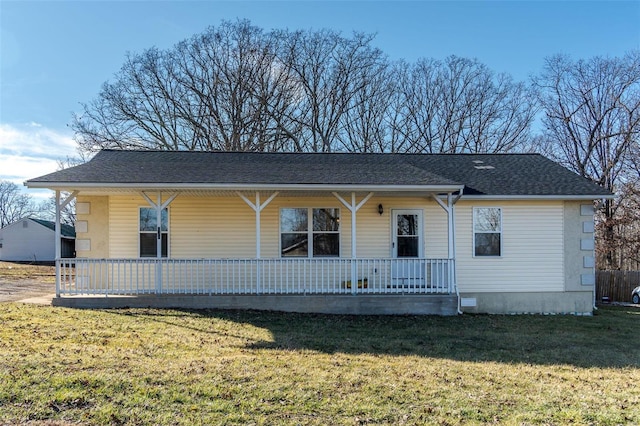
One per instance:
(254, 276)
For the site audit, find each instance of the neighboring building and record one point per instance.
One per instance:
(330, 232)
(33, 240)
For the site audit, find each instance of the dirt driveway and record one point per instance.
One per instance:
(19, 282)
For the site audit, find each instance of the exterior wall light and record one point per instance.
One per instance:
(380, 209)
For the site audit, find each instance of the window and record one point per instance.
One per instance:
(149, 232)
(487, 231)
(295, 232)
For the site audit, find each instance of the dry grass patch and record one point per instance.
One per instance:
(16, 271)
(217, 367)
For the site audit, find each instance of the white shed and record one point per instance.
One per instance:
(33, 240)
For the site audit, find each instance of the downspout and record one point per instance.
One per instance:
(455, 257)
(449, 208)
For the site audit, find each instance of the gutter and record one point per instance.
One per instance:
(137, 186)
(538, 197)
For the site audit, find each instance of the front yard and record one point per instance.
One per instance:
(217, 367)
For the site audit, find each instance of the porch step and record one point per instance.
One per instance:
(411, 304)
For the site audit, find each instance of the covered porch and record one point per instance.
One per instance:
(405, 281)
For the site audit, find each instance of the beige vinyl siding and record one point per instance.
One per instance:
(224, 227)
(219, 228)
(532, 249)
(199, 227)
(123, 225)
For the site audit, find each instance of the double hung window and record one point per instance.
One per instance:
(487, 231)
(310, 232)
(149, 230)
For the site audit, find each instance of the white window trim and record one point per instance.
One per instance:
(310, 233)
(473, 232)
(168, 232)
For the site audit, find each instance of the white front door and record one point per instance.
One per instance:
(407, 271)
(407, 233)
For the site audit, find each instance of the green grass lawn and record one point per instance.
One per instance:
(218, 367)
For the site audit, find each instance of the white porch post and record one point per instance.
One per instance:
(159, 206)
(449, 208)
(58, 243)
(58, 233)
(353, 207)
(257, 207)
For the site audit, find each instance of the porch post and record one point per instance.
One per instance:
(159, 243)
(159, 206)
(354, 266)
(257, 207)
(353, 207)
(58, 234)
(449, 208)
(58, 243)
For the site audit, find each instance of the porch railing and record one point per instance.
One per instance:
(254, 276)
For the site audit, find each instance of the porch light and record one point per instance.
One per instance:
(380, 209)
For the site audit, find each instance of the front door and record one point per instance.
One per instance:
(407, 271)
(407, 233)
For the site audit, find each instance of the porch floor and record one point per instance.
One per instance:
(400, 304)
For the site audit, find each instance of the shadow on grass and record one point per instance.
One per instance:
(608, 339)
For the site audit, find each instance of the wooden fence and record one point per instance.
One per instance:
(616, 286)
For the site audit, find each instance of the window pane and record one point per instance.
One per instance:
(294, 245)
(164, 217)
(407, 224)
(326, 220)
(148, 220)
(487, 244)
(408, 246)
(326, 245)
(487, 220)
(148, 244)
(293, 220)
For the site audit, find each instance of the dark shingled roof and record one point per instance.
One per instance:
(481, 174)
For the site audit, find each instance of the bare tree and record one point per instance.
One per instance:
(459, 105)
(236, 87)
(364, 125)
(331, 73)
(14, 205)
(592, 121)
(213, 91)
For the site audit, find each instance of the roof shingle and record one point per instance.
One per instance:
(481, 174)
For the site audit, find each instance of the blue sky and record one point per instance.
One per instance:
(55, 55)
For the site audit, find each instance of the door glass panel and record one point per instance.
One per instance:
(407, 224)
(407, 235)
(407, 246)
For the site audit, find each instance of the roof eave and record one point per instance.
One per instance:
(568, 197)
(243, 187)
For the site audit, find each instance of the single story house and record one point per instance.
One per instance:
(34, 240)
(329, 232)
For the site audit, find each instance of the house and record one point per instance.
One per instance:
(34, 240)
(329, 232)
